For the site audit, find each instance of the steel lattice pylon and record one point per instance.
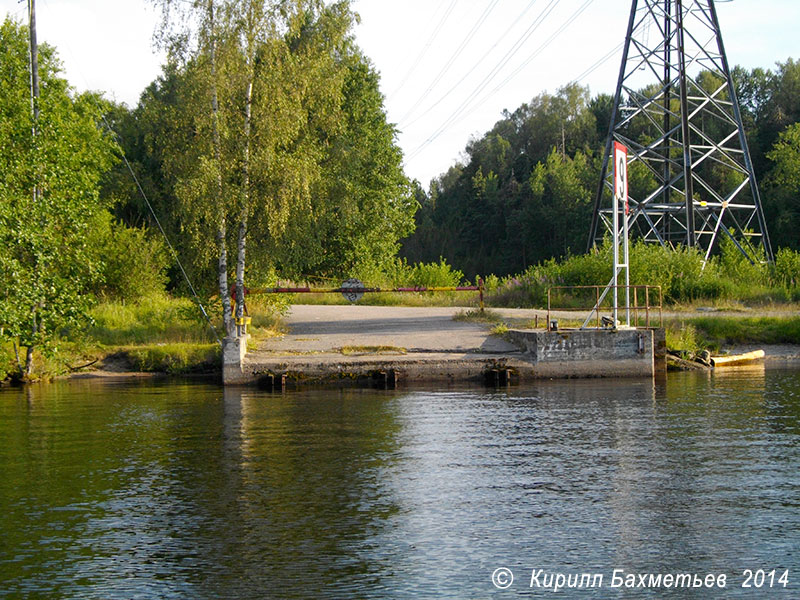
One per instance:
(676, 110)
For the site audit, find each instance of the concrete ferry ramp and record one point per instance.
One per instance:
(329, 343)
(352, 343)
(410, 329)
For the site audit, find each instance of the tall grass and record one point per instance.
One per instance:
(401, 274)
(681, 273)
(154, 319)
(753, 330)
(683, 337)
(174, 359)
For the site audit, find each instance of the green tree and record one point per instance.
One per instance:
(132, 263)
(493, 213)
(297, 153)
(297, 113)
(197, 159)
(556, 217)
(362, 203)
(786, 156)
(783, 106)
(44, 254)
(783, 187)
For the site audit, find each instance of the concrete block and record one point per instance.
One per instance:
(234, 349)
(588, 352)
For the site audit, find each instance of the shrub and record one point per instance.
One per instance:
(735, 266)
(683, 338)
(175, 358)
(594, 268)
(7, 361)
(432, 274)
(490, 282)
(682, 273)
(132, 264)
(786, 272)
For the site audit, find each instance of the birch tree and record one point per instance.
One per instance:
(279, 138)
(261, 85)
(293, 89)
(196, 35)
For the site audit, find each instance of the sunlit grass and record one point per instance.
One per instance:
(421, 299)
(176, 358)
(500, 329)
(683, 337)
(154, 319)
(158, 333)
(751, 330)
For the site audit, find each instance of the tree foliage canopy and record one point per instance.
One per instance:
(307, 159)
(525, 192)
(46, 262)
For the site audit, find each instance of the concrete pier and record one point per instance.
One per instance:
(391, 345)
(234, 350)
(588, 352)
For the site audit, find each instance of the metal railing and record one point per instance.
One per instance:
(353, 293)
(352, 290)
(651, 294)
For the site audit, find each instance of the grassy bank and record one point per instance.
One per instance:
(713, 333)
(161, 333)
(398, 274)
(465, 299)
(683, 275)
(158, 333)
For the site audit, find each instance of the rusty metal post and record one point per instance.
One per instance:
(480, 292)
(597, 303)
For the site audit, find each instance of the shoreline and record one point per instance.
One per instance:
(346, 336)
(776, 355)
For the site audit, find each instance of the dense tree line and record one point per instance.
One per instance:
(525, 192)
(52, 156)
(265, 140)
(263, 149)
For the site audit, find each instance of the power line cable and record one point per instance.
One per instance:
(19, 11)
(456, 53)
(489, 77)
(426, 47)
(597, 64)
(474, 66)
(147, 201)
(544, 46)
(161, 229)
(467, 111)
(541, 48)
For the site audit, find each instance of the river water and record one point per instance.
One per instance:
(182, 490)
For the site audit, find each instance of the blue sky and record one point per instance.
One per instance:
(432, 55)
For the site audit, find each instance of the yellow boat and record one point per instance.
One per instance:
(737, 359)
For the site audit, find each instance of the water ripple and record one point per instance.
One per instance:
(188, 491)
